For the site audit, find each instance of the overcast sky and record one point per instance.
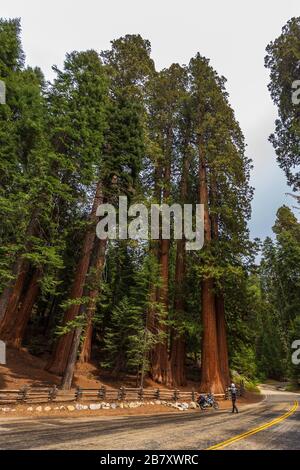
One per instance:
(232, 33)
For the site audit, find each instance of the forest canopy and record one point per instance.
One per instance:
(111, 125)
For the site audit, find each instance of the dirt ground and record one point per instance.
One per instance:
(22, 368)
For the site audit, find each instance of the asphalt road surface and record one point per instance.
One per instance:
(272, 424)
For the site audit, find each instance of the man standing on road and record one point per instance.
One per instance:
(233, 391)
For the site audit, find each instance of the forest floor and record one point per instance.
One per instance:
(22, 368)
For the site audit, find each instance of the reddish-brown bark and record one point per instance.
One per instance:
(11, 293)
(178, 353)
(222, 340)
(85, 354)
(10, 297)
(59, 358)
(177, 349)
(86, 348)
(160, 366)
(160, 370)
(211, 380)
(220, 304)
(151, 319)
(96, 264)
(16, 329)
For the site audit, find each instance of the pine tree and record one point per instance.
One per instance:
(25, 178)
(283, 56)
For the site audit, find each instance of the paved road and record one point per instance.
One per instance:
(188, 430)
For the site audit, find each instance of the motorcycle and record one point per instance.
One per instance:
(208, 401)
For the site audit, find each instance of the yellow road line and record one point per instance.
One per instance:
(255, 430)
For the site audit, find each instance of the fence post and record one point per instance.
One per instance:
(157, 393)
(122, 393)
(176, 395)
(102, 392)
(23, 393)
(78, 393)
(141, 393)
(52, 393)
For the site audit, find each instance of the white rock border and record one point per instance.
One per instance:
(71, 407)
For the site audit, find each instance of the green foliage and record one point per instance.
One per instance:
(249, 384)
(11, 53)
(283, 56)
(111, 118)
(280, 276)
(128, 340)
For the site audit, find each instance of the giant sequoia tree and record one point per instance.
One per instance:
(223, 186)
(166, 93)
(118, 168)
(110, 125)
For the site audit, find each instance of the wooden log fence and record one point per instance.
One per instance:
(54, 394)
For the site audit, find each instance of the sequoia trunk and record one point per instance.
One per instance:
(220, 303)
(211, 380)
(160, 366)
(16, 332)
(222, 340)
(98, 249)
(10, 297)
(86, 349)
(59, 358)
